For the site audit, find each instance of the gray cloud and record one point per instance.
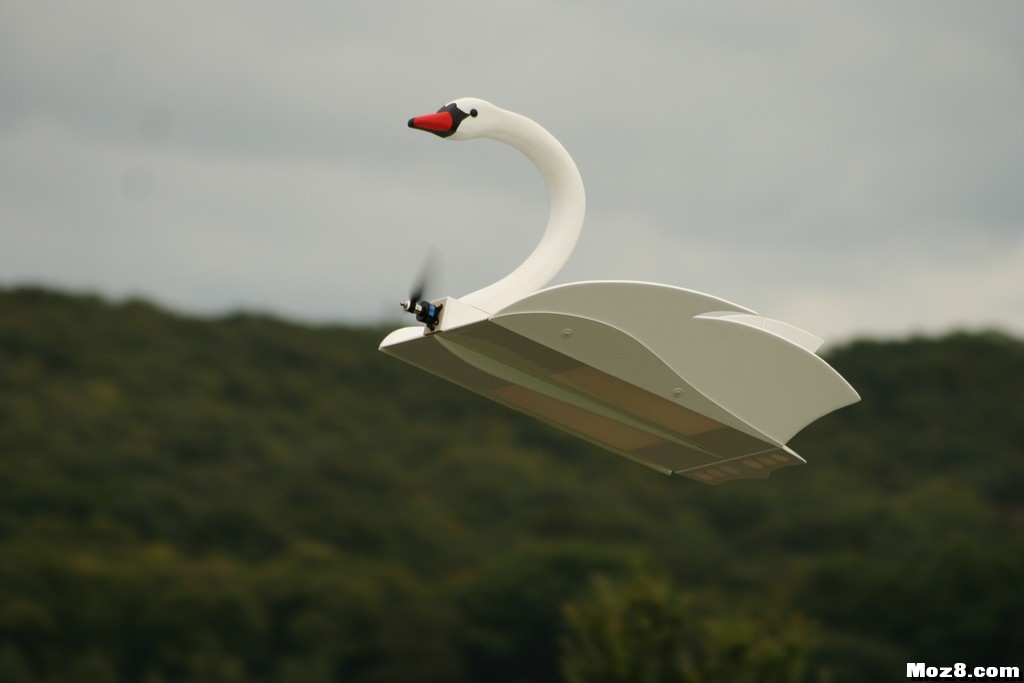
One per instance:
(847, 167)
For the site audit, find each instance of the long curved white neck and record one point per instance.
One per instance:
(565, 218)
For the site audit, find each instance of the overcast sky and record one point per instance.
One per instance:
(853, 168)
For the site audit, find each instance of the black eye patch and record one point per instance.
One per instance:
(458, 116)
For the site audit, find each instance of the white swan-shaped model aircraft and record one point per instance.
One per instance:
(680, 381)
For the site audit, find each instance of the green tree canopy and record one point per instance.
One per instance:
(644, 631)
(245, 498)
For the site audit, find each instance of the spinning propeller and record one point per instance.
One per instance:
(425, 312)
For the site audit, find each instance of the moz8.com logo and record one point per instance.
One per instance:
(961, 670)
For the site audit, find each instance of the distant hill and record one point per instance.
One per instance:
(247, 499)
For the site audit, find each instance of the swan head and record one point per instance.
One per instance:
(461, 119)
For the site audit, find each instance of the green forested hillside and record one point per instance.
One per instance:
(245, 499)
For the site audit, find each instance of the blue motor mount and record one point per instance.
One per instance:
(425, 312)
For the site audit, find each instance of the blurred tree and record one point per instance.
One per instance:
(249, 499)
(91, 667)
(643, 631)
(511, 606)
(13, 666)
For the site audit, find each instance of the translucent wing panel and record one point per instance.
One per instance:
(596, 406)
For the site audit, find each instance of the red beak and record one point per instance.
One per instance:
(439, 123)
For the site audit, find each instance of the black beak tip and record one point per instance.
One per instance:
(412, 123)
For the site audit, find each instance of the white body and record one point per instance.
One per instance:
(680, 381)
